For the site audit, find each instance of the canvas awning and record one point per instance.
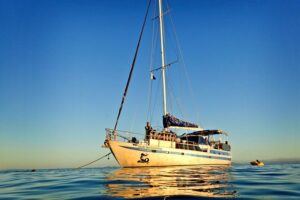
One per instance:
(204, 133)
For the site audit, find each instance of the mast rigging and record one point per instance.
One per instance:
(131, 70)
(163, 68)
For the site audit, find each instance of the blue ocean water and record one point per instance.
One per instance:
(274, 181)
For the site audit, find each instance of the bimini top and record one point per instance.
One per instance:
(204, 133)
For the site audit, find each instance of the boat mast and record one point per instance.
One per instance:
(162, 42)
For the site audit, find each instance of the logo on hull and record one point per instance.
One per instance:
(143, 158)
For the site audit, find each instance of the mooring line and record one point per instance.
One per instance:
(94, 161)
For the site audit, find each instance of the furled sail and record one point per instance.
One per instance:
(170, 120)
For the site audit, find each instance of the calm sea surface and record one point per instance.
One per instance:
(276, 181)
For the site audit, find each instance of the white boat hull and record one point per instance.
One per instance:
(141, 155)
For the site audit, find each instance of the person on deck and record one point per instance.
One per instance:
(148, 130)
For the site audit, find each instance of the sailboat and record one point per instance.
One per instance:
(196, 146)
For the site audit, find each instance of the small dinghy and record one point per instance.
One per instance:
(257, 163)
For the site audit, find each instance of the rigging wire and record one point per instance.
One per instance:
(132, 67)
(170, 90)
(153, 42)
(93, 161)
(183, 62)
(170, 86)
(155, 98)
(171, 97)
(154, 91)
(133, 120)
(171, 76)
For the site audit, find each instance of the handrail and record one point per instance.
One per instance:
(114, 134)
(188, 145)
(112, 131)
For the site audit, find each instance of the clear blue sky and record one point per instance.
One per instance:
(64, 64)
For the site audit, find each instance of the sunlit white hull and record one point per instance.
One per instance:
(142, 155)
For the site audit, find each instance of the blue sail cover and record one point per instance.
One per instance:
(169, 120)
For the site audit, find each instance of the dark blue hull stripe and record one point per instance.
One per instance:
(176, 153)
(220, 152)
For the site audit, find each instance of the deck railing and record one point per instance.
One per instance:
(188, 145)
(118, 134)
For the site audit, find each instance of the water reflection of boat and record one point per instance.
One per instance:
(204, 181)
